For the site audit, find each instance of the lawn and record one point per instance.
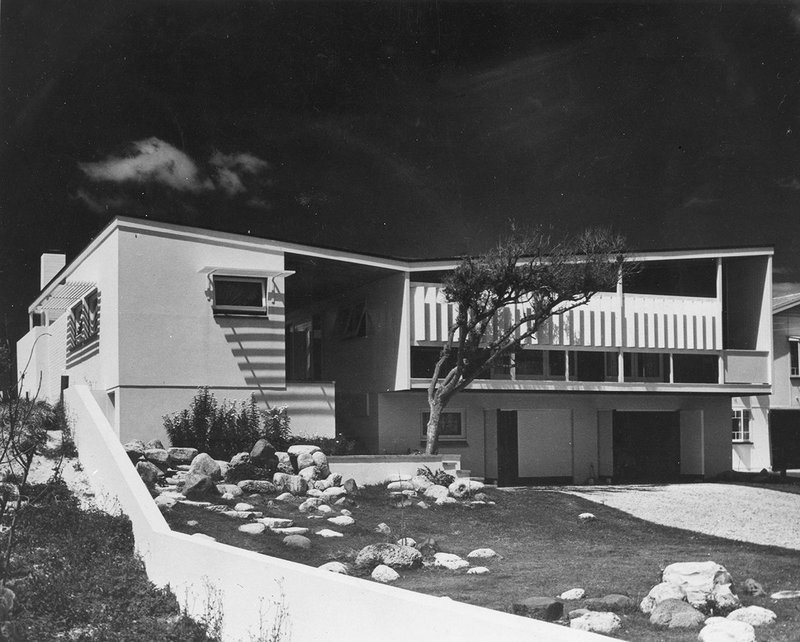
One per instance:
(545, 550)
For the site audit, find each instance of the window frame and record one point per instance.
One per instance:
(743, 416)
(462, 436)
(351, 320)
(794, 356)
(244, 310)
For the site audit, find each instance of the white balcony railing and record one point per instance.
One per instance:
(631, 321)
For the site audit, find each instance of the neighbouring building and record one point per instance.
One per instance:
(766, 428)
(635, 386)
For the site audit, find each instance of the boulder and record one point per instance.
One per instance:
(135, 449)
(675, 614)
(571, 594)
(753, 615)
(384, 574)
(324, 508)
(483, 553)
(252, 529)
(612, 602)
(309, 473)
(323, 484)
(477, 570)
(263, 454)
(785, 595)
(540, 608)
(203, 464)
(350, 486)
(446, 501)
(659, 593)
(327, 532)
(230, 489)
(304, 460)
(310, 504)
(299, 449)
(181, 456)
(297, 541)
(449, 561)
(257, 486)
(399, 486)
(342, 520)
(428, 546)
(578, 612)
(291, 530)
(383, 529)
(154, 444)
(420, 483)
(313, 492)
(720, 629)
(321, 462)
(239, 458)
(244, 507)
(158, 457)
(165, 502)
(335, 479)
(697, 579)
(148, 472)
(276, 522)
(199, 486)
(344, 511)
(435, 492)
(281, 481)
(389, 554)
(465, 487)
(284, 463)
(284, 497)
(407, 541)
(296, 485)
(586, 517)
(334, 567)
(596, 622)
(333, 493)
(723, 598)
(751, 587)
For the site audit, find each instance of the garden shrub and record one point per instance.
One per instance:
(439, 477)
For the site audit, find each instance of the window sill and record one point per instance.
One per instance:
(448, 442)
(742, 442)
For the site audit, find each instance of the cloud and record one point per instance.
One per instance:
(231, 168)
(150, 161)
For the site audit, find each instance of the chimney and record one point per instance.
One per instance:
(49, 266)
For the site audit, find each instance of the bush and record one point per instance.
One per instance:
(276, 427)
(439, 477)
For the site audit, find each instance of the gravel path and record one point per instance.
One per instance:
(743, 513)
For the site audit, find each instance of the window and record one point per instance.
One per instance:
(741, 425)
(451, 425)
(540, 364)
(83, 325)
(794, 357)
(240, 295)
(352, 320)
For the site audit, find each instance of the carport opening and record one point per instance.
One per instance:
(646, 447)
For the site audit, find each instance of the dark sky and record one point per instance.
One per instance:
(413, 129)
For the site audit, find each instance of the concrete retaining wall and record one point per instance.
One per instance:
(377, 469)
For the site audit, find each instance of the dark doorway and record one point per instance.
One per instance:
(507, 448)
(784, 437)
(646, 447)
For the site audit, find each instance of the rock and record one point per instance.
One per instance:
(344, 501)
(203, 464)
(334, 567)
(540, 608)
(333, 493)
(596, 622)
(261, 486)
(659, 593)
(199, 486)
(720, 629)
(390, 554)
(403, 503)
(351, 487)
(407, 541)
(165, 503)
(313, 492)
(276, 522)
(310, 504)
(723, 598)
(428, 546)
(284, 497)
(284, 463)
(321, 462)
(612, 602)
(578, 612)
(435, 492)
(446, 501)
(281, 481)
(243, 506)
(751, 587)
(291, 530)
(342, 520)
(674, 614)
(327, 532)
(154, 444)
(449, 561)
(422, 505)
(383, 529)
(335, 479)
(309, 473)
(466, 487)
(158, 457)
(252, 529)
(384, 574)
(420, 483)
(344, 511)
(477, 570)
(324, 508)
(697, 579)
(297, 485)
(239, 459)
(398, 486)
(571, 594)
(586, 517)
(263, 454)
(148, 472)
(481, 497)
(233, 489)
(785, 595)
(481, 553)
(302, 448)
(753, 615)
(181, 456)
(135, 449)
(297, 541)
(323, 484)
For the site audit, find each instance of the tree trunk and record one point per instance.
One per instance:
(432, 443)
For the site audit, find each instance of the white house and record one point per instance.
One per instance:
(635, 386)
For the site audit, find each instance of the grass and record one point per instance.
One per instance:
(545, 550)
(76, 577)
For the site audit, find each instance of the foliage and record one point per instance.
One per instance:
(226, 428)
(439, 477)
(79, 575)
(540, 276)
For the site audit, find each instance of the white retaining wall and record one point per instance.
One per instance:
(247, 588)
(378, 469)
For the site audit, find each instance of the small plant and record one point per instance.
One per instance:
(439, 477)
(276, 427)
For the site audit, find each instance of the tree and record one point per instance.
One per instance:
(541, 277)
